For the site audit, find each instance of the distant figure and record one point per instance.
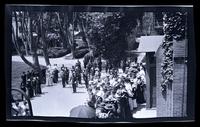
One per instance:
(55, 74)
(62, 75)
(38, 85)
(99, 63)
(30, 88)
(88, 68)
(33, 83)
(78, 75)
(74, 82)
(85, 78)
(67, 75)
(23, 83)
(62, 68)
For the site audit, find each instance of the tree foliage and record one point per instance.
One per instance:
(107, 33)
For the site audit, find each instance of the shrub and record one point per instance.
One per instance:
(80, 53)
(57, 52)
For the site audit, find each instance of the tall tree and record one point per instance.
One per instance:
(15, 35)
(43, 40)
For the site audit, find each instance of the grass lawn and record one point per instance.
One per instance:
(17, 69)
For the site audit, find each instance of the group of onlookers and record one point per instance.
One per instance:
(118, 95)
(31, 83)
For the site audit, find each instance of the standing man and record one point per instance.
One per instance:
(88, 67)
(38, 85)
(63, 77)
(74, 82)
(56, 73)
(34, 86)
(23, 83)
(85, 77)
(77, 74)
(79, 71)
(29, 87)
(67, 75)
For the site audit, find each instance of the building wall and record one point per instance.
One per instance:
(161, 100)
(173, 102)
(151, 80)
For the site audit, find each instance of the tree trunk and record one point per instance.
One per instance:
(44, 46)
(15, 42)
(33, 45)
(23, 34)
(62, 32)
(73, 41)
(82, 30)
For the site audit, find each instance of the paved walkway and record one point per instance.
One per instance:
(58, 101)
(142, 112)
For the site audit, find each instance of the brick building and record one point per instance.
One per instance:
(174, 102)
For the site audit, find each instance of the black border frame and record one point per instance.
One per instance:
(191, 65)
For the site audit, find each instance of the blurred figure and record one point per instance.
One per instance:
(85, 78)
(23, 83)
(67, 75)
(62, 75)
(74, 82)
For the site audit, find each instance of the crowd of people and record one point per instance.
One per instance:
(30, 86)
(20, 109)
(31, 83)
(113, 94)
(118, 95)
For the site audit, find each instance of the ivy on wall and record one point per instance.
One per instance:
(174, 29)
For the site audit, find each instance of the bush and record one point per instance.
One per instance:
(57, 52)
(82, 47)
(80, 53)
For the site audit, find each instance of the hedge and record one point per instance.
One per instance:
(80, 53)
(57, 52)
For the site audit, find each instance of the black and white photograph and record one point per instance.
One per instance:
(99, 62)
